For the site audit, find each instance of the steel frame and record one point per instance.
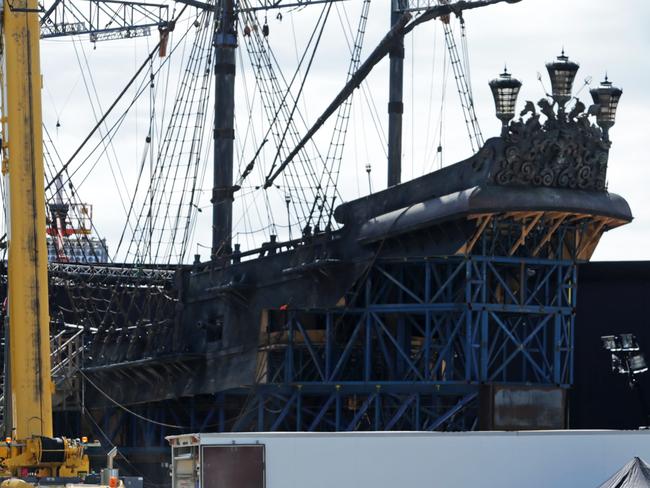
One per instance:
(409, 349)
(102, 19)
(441, 321)
(413, 348)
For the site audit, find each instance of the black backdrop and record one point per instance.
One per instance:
(613, 298)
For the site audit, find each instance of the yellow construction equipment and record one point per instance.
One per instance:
(31, 448)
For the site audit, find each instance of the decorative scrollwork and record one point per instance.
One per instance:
(564, 151)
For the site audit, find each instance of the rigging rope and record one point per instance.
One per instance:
(177, 164)
(275, 96)
(103, 118)
(94, 100)
(337, 142)
(463, 85)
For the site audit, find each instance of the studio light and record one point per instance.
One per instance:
(628, 342)
(637, 364)
(627, 359)
(609, 343)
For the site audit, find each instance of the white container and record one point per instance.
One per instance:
(543, 459)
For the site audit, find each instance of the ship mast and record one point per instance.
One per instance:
(225, 43)
(392, 45)
(395, 98)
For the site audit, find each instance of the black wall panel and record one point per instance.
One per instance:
(613, 298)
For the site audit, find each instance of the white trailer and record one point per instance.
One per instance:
(541, 459)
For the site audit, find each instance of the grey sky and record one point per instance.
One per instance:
(600, 36)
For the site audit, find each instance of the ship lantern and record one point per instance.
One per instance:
(606, 96)
(562, 73)
(505, 89)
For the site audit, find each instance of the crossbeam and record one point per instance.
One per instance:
(102, 19)
(398, 5)
(424, 5)
(277, 4)
(121, 273)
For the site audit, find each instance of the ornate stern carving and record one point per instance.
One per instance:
(565, 150)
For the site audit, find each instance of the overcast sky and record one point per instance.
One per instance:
(602, 36)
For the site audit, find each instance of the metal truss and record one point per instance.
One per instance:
(440, 322)
(102, 19)
(410, 351)
(126, 312)
(412, 346)
(103, 273)
(413, 350)
(273, 409)
(356, 407)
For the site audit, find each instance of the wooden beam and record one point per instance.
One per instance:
(524, 233)
(592, 237)
(549, 234)
(467, 248)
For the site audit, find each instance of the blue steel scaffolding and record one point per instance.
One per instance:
(409, 348)
(413, 350)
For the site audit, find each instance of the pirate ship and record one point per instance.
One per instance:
(429, 305)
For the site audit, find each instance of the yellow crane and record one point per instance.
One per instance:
(31, 448)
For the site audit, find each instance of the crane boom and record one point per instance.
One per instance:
(31, 448)
(30, 382)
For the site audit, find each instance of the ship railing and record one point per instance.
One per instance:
(65, 358)
(66, 349)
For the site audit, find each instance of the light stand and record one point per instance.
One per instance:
(627, 359)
